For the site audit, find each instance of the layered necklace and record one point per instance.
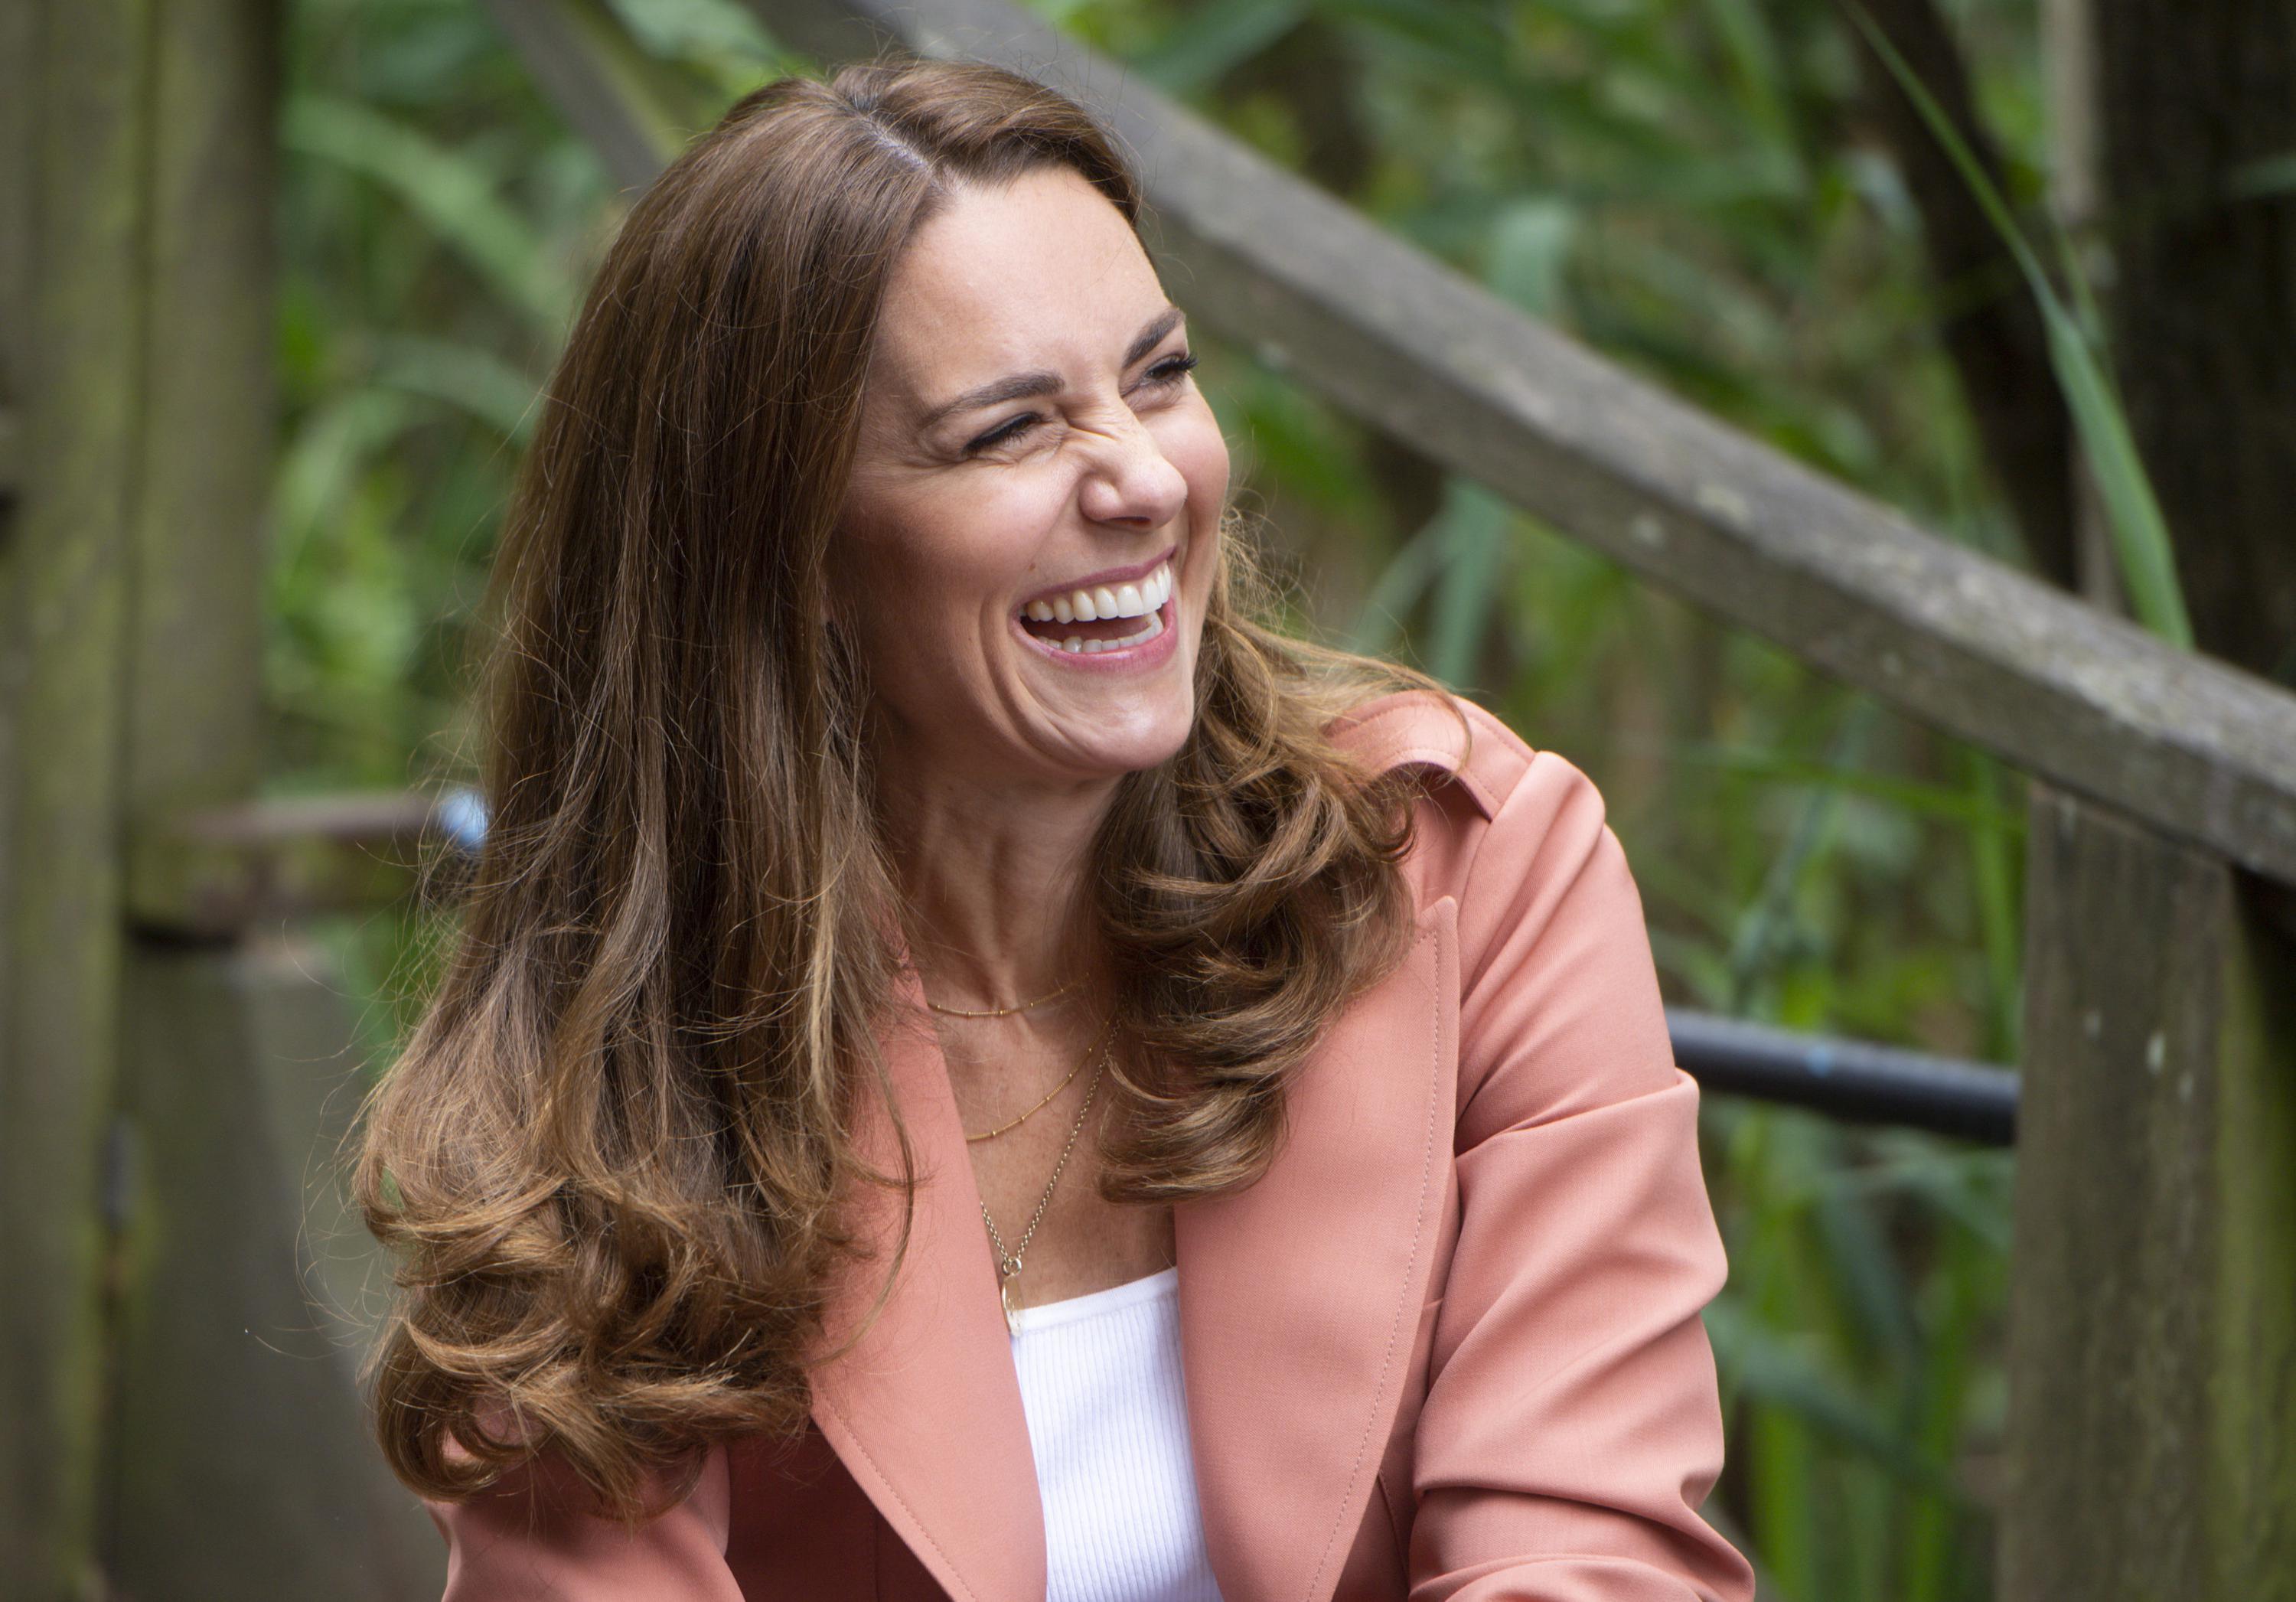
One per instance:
(1009, 1261)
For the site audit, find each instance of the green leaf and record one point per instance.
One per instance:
(1397, 589)
(2140, 533)
(2265, 176)
(1205, 45)
(1476, 525)
(1778, 1370)
(454, 198)
(1530, 244)
(467, 377)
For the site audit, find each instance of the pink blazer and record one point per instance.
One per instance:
(1448, 1347)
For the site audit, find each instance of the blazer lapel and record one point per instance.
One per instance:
(924, 1409)
(1298, 1302)
(1299, 1296)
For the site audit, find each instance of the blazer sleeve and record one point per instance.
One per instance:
(1572, 1423)
(529, 1539)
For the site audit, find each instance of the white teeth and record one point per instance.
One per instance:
(1077, 645)
(1105, 601)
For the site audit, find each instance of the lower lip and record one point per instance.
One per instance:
(1131, 659)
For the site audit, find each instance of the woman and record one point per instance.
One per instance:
(971, 1067)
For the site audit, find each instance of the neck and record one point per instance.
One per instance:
(994, 877)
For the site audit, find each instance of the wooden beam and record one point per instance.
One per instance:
(215, 874)
(2201, 751)
(2152, 1324)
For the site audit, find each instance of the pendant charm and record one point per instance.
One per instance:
(1004, 1295)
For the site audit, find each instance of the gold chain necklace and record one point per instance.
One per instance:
(1003, 1012)
(1055, 1090)
(1008, 1264)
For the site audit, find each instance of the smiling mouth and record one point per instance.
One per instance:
(1103, 618)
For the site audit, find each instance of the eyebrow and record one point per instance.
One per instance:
(1020, 386)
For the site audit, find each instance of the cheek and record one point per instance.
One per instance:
(1195, 446)
(930, 573)
(1199, 451)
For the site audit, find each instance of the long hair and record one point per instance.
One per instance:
(611, 1156)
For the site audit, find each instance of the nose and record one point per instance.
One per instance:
(1132, 483)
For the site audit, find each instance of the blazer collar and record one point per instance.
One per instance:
(1299, 1299)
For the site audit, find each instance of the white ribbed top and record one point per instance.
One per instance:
(1108, 1422)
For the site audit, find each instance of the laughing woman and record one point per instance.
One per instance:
(970, 1066)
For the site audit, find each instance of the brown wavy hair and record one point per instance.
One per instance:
(610, 1157)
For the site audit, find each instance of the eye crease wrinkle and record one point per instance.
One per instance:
(1164, 375)
(1021, 386)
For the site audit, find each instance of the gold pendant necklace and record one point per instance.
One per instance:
(1008, 1264)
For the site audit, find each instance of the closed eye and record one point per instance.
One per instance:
(1165, 374)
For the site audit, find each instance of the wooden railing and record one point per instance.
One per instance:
(2153, 1413)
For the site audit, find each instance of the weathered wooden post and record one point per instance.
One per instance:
(180, 1421)
(75, 116)
(2152, 1301)
(2153, 1410)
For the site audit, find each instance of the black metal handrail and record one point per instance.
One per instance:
(1847, 1080)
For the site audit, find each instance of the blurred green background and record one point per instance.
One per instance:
(1688, 187)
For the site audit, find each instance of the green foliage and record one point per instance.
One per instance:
(1678, 183)
(2140, 535)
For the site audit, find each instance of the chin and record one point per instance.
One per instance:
(1149, 741)
(1140, 756)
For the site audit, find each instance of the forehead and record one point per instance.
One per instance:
(1041, 272)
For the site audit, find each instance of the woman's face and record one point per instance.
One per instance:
(1033, 458)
